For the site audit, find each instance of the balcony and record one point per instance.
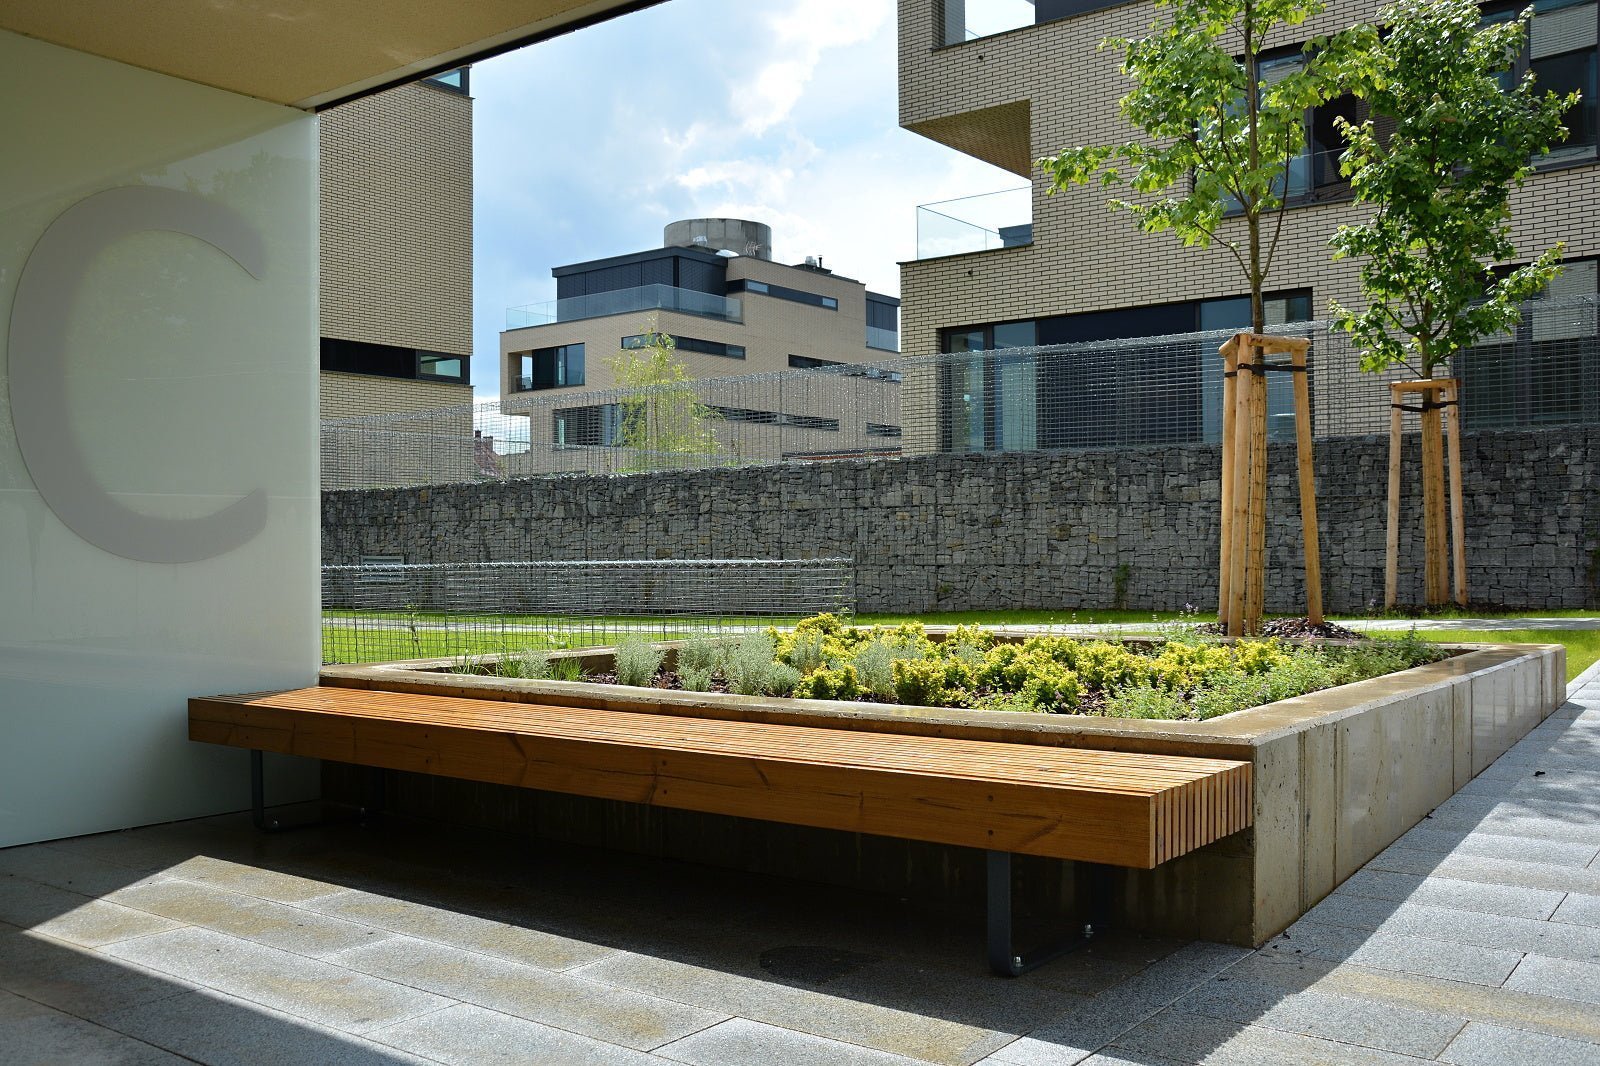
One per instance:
(885, 340)
(624, 301)
(979, 223)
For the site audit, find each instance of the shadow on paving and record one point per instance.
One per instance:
(869, 970)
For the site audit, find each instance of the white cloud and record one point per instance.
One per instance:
(586, 145)
(798, 37)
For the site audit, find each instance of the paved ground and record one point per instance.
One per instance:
(1474, 940)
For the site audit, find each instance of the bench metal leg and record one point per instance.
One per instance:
(258, 801)
(1007, 960)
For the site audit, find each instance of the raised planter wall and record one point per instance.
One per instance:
(1056, 531)
(1339, 775)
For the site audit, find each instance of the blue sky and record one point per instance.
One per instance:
(782, 111)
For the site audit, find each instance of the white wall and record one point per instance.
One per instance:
(163, 387)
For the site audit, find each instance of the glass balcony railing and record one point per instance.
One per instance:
(967, 20)
(975, 223)
(887, 340)
(623, 301)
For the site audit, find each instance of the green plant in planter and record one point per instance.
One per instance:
(830, 683)
(695, 678)
(637, 661)
(750, 664)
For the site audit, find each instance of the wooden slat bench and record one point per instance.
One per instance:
(1113, 808)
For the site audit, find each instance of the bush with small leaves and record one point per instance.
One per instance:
(934, 682)
(694, 678)
(783, 679)
(1146, 701)
(637, 661)
(830, 683)
(874, 662)
(698, 653)
(1053, 688)
(806, 651)
(750, 664)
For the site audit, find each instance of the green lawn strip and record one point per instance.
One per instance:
(1583, 645)
(344, 644)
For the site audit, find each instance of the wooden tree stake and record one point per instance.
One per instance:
(1230, 392)
(1242, 571)
(1444, 542)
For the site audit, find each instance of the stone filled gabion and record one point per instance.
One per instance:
(1024, 531)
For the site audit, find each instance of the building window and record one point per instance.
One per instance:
(439, 367)
(688, 344)
(392, 361)
(1163, 386)
(549, 368)
(878, 429)
(782, 292)
(1562, 56)
(1543, 372)
(776, 418)
(455, 81)
(595, 426)
(806, 362)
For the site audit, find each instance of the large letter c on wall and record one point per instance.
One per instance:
(45, 295)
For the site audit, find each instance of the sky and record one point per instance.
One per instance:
(780, 111)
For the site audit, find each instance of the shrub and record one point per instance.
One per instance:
(933, 682)
(1053, 687)
(694, 678)
(750, 664)
(830, 683)
(698, 654)
(1184, 665)
(783, 679)
(806, 651)
(530, 663)
(1146, 701)
(637, 662)
(874, 662)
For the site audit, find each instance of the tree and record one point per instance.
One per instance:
(1458, 140)
(1218, 139)
(664, 426)
(1446, 140)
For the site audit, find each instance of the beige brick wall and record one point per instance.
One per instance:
(396, 206)
(1083, 258)
(359, 395)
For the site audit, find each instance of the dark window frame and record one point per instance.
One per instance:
(783, 292)
(722, 349)
(563, 359)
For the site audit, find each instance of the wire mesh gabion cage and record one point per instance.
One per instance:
(382, 612)
(1102, 394)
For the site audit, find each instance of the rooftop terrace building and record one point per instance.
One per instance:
(731, 311)
(1008, 81)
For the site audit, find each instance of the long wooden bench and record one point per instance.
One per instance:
(1103, 807)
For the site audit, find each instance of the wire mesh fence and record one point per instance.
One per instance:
(391, 611)
(1103, 394)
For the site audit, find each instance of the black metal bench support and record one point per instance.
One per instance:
(1005, 958)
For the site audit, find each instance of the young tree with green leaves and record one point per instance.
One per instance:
(1446, 142)
(664, 426)
(1217, 136)
(1449, 135)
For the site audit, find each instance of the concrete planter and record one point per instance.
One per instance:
(1339, 775)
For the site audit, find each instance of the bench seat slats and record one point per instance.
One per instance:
(1113, 807)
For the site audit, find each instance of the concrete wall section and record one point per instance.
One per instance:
(158, 512)
(1058, 531)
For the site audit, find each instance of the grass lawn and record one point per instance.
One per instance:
(383, 636)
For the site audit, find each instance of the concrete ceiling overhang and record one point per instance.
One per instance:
(305, 53)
